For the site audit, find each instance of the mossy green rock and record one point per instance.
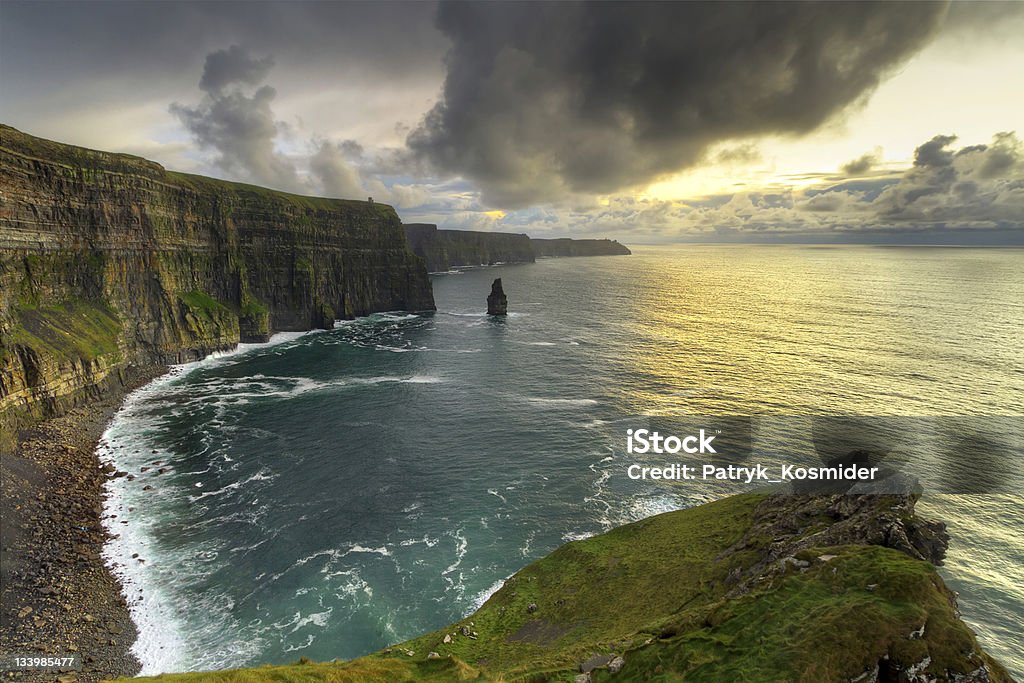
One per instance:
(173, 266)
(735, 590)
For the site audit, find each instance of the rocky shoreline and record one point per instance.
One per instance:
(58, 597)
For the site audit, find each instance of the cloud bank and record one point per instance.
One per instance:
(546, 100)
(560, 114)
(975, 188)
(237, 124)
(235, 121)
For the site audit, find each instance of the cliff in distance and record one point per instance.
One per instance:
(569, 247)
(108, 260)
(817, 589)
(446, 249)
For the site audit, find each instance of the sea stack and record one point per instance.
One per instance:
(497, 302)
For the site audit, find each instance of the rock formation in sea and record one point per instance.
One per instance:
(497, 302)
(109, 260)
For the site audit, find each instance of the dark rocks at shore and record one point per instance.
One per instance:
(497, 302)
(58, 597)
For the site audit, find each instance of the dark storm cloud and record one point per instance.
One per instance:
(233, 66)
(235, 120)
(739, 155)
(979, 184)
(155, 43)
(1000, 158)
(545, 99)
(239, 125)
(860, 165)
(936, 152)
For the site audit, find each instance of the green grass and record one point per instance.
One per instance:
(78, 160)
(70, 330)
(254, 317)
(614, 588)
(90, 162)
(204, 304)
(257, 195)
(820, 625)
(364, 670)
(253, 308)
(659, 593)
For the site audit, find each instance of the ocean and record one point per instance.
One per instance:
(330, 493)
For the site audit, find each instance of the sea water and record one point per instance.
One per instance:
(331, 493)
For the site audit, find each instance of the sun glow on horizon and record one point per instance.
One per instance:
(702, 183)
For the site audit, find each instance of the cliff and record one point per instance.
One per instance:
(570, 247)
(749, 588)
(109, 260)
(446, 249)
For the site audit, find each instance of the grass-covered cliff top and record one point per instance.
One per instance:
(705, 594)
(72, 155)
(75, 157)
(207, 184)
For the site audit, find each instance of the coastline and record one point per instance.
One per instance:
(58, 595)
(119, 552)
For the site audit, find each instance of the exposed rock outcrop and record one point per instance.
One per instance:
(497, 302)
(797, 523)
(108, 260)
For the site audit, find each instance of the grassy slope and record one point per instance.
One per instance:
(84, 159)
(654, 592)
(71, 330)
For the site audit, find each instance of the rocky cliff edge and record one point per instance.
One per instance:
(109, 260)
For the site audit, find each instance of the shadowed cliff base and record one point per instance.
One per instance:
(751, 587)
(443, 250)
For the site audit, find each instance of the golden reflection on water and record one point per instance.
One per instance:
(850, 330)
(828, 330)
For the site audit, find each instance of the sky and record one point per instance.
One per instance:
(644, 122)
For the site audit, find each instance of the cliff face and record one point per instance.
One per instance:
(108, 260)
(571, 247)
(445, 249)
